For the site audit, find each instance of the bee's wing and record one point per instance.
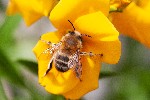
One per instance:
(50, 64)
(73, 60)
(75, 63)
(51, 53)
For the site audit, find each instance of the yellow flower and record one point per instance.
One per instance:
(31, 10)
(134, 21)
(118, 5)
(104, 40)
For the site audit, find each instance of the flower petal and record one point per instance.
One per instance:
(31, 10)
(11, 8)
(110, 50)
(90, 76)
(98, 26)
(134, 22)
(143, 4)
(71, 9)
(56, 82)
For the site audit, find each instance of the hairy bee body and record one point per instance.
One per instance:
(66, 54)
(71, 43)
(61, 62)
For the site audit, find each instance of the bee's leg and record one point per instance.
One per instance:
(52, 44)
(51, 49)
(47, 51)
(90, 54)
(75, 63)
(57, 45)
(86, 35)
(45, 41)
(78, 70)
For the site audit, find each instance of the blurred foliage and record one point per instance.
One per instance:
(107, 74)
(6, 29)
(9, 71)
(30, 65)
(2, 93)
(129, 81)
(133, 81)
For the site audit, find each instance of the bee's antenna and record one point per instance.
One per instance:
(72, 25)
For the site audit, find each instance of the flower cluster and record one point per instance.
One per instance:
(31, 10)
(94, 18)
(134, 21)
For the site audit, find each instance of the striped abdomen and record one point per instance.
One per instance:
(61, 63)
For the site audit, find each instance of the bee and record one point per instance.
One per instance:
(66, 54)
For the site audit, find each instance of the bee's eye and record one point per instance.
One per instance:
(79, 38)
(71, 32)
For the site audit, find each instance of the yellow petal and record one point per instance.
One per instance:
(56, 82)
(72, 9)
(98, 26)
(134, 22)
(11, 8)
(110, 50)
(90, 76)
(31, 10)
(143, 4)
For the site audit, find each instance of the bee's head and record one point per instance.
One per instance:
(72, 39)
(71, 32)
(74, 34)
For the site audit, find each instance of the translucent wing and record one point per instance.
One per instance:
(75, 63)
(51, 52)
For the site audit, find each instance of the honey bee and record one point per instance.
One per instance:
(66, 54)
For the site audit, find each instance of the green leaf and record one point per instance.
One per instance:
(56, 97)
(106, 74)
(6, 30)
(9, 71)
(30, 65)
(2, 92)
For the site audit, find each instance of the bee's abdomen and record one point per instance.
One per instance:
(61, 63)
(62, 58)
